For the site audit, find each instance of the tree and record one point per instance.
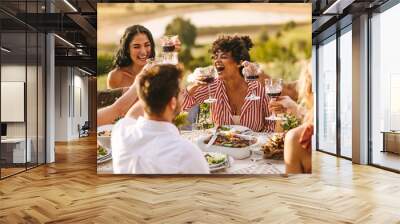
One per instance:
(264, 37)
(185, 29)
(104, 63)
(185, 56)
(289, 25)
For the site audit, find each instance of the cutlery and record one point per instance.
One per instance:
(213, 138)
(104, 157)
(246, 132)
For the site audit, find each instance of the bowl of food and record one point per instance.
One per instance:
(273, 148)
(237, 129)
(235, 145)
(104, 136)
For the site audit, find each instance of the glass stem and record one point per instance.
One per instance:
(273, 112)
(209, 113)
(209, 91)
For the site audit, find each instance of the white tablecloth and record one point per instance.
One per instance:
(243, 166)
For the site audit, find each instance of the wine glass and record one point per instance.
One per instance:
(168, 49)
(251, 75)
(153, 61)
(256, 153)
(273, 88)
(207, 75)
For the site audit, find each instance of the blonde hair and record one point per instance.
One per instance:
(304, 88)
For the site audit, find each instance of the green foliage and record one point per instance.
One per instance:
(107, 97)
(181, 119)
(202, 61)
(279, 54)
(290, 122)
(264, 36)
(185, 29)
(101, 82)
(278, 34)
(185, 56)
(289, 25)
(273, 50)
(104, 63)
(204, 119)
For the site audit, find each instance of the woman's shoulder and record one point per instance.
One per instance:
(119, 72)
(294, 133)
(116, 76)
(300, 135)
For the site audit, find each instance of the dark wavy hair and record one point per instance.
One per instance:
(122, 58)
(239, 47)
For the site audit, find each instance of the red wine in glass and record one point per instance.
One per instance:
(252, 77)
(273, 88)
(208, 76)
(274, 94)
(168, 48)
(208, 80)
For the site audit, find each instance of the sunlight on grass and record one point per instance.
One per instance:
(101, 82)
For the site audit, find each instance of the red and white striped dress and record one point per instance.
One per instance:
(253, 112)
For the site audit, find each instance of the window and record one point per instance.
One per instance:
(327, 96)
(385, 88)
(23, 86)
(346, 95)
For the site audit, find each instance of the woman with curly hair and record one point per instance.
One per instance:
(230, 54)
(136, 46)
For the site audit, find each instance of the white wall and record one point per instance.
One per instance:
(61, 103)
(12, 73)
(70, 83)
(34, 124)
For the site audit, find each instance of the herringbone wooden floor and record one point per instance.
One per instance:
(70, 191)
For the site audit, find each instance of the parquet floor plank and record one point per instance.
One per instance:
(70, 191)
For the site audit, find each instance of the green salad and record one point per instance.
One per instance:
(215, 158)
(101, 151)
(224, 128)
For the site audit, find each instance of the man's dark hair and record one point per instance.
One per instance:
(157, 86)
(123, 58)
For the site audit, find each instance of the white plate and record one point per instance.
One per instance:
(236, 153)
(105, 158)
(225, 164)
(214, 154)
(238, 128)
(107, 127)
(105, 141)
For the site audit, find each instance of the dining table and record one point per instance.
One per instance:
(254, 164)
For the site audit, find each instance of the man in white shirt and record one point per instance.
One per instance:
(152, 144)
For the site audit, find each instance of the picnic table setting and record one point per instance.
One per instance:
(247, 142)
(228, 149)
